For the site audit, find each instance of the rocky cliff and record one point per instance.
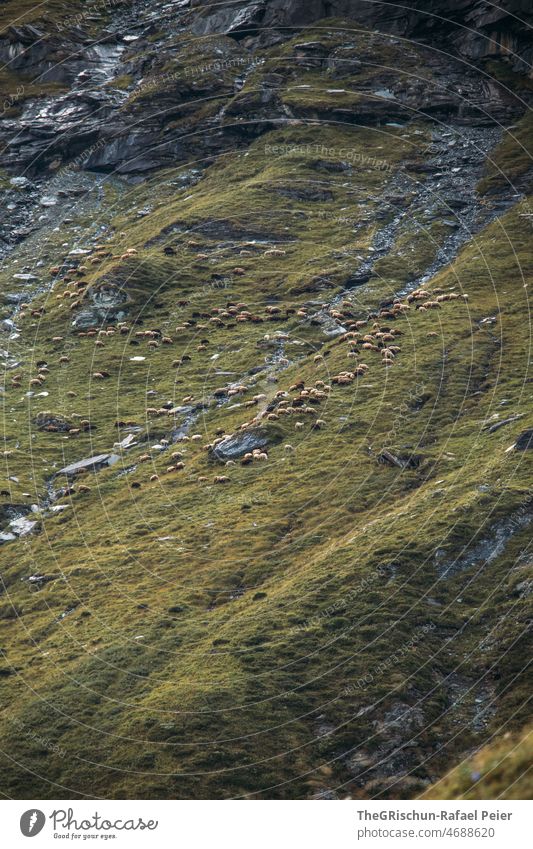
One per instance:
(265, 500)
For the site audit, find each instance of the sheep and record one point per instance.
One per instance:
(98, 375)
(167, 340)
(239, 271)
(274, 252)
(320, 423)
(299, 425)
(64, 359)
(197, 437)
(221, 479)
(288, 447)
(144, 458)
(84, 488)
(154, 478)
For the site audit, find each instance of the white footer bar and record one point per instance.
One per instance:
(268, 824)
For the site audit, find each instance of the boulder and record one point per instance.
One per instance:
(525, 440)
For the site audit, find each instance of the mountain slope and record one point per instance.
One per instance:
(311, 241)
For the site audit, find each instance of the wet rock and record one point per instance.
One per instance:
(238, 445)
(20, 183)
(106, 304)
(23, 527)
(51, 421)
(5, 536)
(525, 440)
(93, 464)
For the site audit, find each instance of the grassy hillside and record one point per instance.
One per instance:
(501, 770)
(318, 620)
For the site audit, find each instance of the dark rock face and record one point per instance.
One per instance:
(97, 127)
(238, 444)
(525, 440)
(475, 29)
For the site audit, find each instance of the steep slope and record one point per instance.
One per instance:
(500, 770)
(304, 239)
